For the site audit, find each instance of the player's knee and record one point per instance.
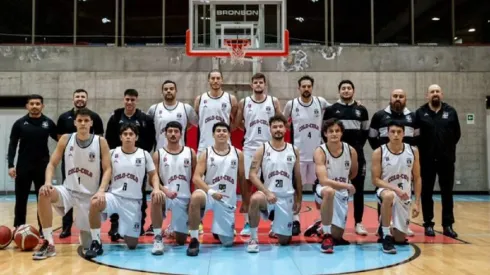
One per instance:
(94, 207)
(327, 193)
(197, 198)
(255, 200)
(131, 242)
(388, 196)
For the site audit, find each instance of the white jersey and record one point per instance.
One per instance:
(277, 169)
(306, 121)
(163, 115)
(211, 111)
(129, 171)
(338, 168)
(256, 116)
(83, 167)
(397, 168)
(222, 173)
(176, 171)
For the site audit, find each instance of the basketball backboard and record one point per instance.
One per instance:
(217, 27)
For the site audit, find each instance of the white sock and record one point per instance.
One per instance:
(157, 231)
(95, 234)
(194, 233)
(296, 217)
(253, 233)
(386, 231)
(327, 229)
(48, 235)
(245, 217)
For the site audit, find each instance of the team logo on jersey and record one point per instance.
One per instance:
(212, 161)
(91, 157)
(408, 118)
(409, 162)
(70, 154)
(297, 111)
(205, 101)
(268, 109)
(223, 106)
(358, 113)
(249, 106)
(45, 125)
(347, 164)
(138, 161)
(445, 115)
(387, 158)
(116, 155)
(268, 154)
(136, 227)
(233, 164)
(316, 112)
(179, 115)
(186, 162)
(289, 158)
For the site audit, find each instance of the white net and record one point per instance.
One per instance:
(237, 49)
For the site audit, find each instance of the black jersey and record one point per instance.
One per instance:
(378, 132)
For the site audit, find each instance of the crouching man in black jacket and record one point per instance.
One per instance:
(146, 141)
(439, 133)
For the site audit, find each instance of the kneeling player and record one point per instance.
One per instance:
(84, 154)
(176, 164)
(394, 165)
(335, 165)
(129, 166)
(221, 166)
(277, 198)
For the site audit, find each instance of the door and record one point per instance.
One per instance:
(7, 119)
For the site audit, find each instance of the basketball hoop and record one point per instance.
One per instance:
(237, 49)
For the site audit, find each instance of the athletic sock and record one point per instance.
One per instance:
(194, 233)
(48, 234)
(327, 229)
(245, 217)
(157, 231)
(386, 231)
(253, 233)
(95, 234)
(296, 218)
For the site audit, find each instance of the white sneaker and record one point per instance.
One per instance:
(246, 230)
(360, 230)
(410, 232)
(158, 246)
(253, 246)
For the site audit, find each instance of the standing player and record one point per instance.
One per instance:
(394, 165)
(130, 165)
(171, 110)
(84, 155)
(219, 170)
(335, 166)
(356, 122)
(66, 125)
(255, 111)
(277, 198)
(305, 113)
(212, 107)
(176, 164)
(31, 134)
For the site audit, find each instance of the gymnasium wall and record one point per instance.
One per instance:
(462, 72)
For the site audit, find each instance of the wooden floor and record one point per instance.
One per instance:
(473, 226)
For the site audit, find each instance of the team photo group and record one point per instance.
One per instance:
(106, 172)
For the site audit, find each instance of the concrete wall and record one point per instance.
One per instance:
(463, 73)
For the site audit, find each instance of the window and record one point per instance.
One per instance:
(96, 22)
(433, 21)
(392, 21)
(472, 22)
(176, 21)
(306, 21)
(54, 22)
(143, 22)
(352, 21)
(16, 21)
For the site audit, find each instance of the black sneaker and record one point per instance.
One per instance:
(313, 229)
(66, 232)
(429, 231)
(94, 251)
(448, 231)
(388, 246)
(149, 231)
(296, 228)
(193, 249)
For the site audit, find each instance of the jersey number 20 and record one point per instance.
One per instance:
(279, 183)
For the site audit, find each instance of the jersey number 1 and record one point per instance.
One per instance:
(125, 186)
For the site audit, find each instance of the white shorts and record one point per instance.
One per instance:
(129, 211)
(307, 170)
(400, 213)
(180, 216)
(283, 215)
(80, 203)
(340, 206)
(247, 159)
(223, 216)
